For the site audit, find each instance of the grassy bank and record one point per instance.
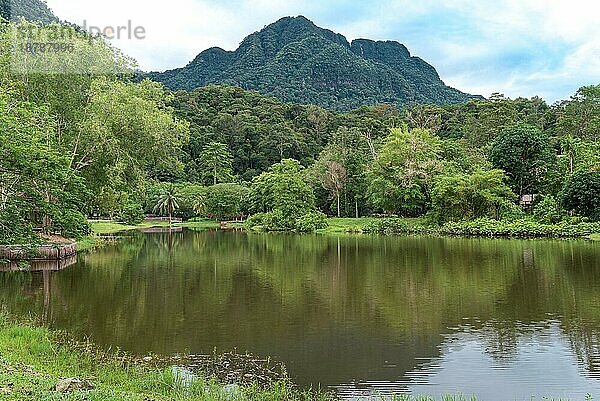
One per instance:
(104, 227)
(33, 359)
(395, 226)
(521, 228)
(357, 225)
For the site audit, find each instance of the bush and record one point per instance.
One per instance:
(387, 226)
(15, 228)
(132, 213)
(519, 228)
(311, 222)
(278, 221)
(580, 194)
(256, 220)
(70, 223)
(548, 211)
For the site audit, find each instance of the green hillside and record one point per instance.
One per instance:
(296, 61)
(31, 10)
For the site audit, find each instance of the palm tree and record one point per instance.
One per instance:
(199, 205)
(167, 203)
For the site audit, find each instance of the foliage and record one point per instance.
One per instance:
(580, 116)
(226, 201)
(36, 182)
(31, 10)
(132, 214)
(215, 164)
(525, 154)
(386, 226)
(470, 196)
(311, 222)
(70, 223)
(167, 203)
(581, 194)
(486, 227)
(192, 200)
(296, 61)
(282, 187)
(258, 131)
(548, 211)
(404, 170)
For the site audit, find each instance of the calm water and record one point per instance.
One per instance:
(503, 319)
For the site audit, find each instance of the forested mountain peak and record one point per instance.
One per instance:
(294, 60)
(31, 10)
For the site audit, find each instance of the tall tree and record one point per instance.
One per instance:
(525, 154)
(404, 170)
(215, 163)
(581, 194)
(284, 186)
(580, 116)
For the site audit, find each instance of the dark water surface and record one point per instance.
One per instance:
(503, 319)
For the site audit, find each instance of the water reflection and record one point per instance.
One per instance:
(361, 314)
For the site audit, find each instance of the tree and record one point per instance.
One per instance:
(470, 196)
(215, 163)
(225, 201)
(191, 200)
(525, 154)
(580, 116)
(37, 186)
(403, 171)
(132, 213)
(283, 188)
(581, 194)
(167, 203)
(331, 174)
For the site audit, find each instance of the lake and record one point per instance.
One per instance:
(364, 315)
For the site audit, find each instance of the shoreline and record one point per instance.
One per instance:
(35, 360)
(360, 226)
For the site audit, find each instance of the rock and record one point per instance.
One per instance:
(232, 392)
(73, 384)
(183, 377)
(147, 358)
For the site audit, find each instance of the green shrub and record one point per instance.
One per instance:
(387, 226)
(70, 223)
(548, 211)
(132, 213)
(519, 228)
(256, 220)
(311, 222)
(278, 221)
(580, 194)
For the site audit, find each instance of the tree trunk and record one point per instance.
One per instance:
(338, 205)
(356, 206)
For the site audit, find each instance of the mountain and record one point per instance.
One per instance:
(296, 61)
(31, 10)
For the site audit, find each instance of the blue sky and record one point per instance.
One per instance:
(519, 48)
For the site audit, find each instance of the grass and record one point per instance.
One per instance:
(595, 237)
(355, 225)
(105, 227)
(88, 243)
(112, 227)
(33, 359)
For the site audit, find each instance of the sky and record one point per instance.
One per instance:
(546, 48)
